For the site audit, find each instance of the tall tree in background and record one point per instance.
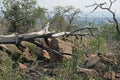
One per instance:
(40, 15)
(71, 19)
(64, 17)
(21, 14)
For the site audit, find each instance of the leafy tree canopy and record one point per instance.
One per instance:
(21, 14)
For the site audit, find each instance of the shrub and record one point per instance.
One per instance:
(6, 70)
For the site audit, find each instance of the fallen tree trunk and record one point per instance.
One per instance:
(16, 39)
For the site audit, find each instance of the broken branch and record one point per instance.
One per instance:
(108, 9)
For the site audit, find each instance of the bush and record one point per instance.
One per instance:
(99, 45)
(6, 69)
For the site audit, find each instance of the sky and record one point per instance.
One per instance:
(81, 4)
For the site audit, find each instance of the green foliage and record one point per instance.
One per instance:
(64, 18)
(117, 36)
(67, 69)
(111, 36)
(40, 15)
(21, 14)
(6, 70)
(98, 44)
(108, 32)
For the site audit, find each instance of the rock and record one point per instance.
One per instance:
(101, 67)
(112, 58)
(117, 75)
(22, 66)
(91, 60)
(62, 47)
(11, 47)
(26, 54)
(89, 72)
(46, 54)
(110, 75)
(44, 43)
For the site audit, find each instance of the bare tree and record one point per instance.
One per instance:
(64, 17)
(71, 18)
(101, 6)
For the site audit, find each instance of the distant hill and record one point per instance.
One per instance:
(97, 20)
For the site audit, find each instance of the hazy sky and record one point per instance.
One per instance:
(81, 4)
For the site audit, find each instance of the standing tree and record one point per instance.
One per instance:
(63, 17)
(21, 14)
(101, 6)
(71, 18)
(40, 15)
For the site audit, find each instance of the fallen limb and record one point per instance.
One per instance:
(44, 33)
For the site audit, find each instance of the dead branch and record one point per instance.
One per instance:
(84, 28)
(16, 39)
(101, 6)
(31, 37)
(108, 19)
(111, 3)
(71, 18)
